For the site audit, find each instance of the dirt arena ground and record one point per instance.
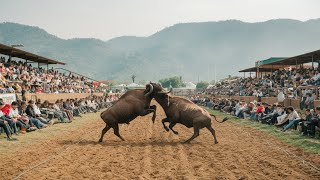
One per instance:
(149, 152)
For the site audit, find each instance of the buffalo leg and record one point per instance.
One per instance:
(213, 132)
(148, 111)
(195, 134)
(104, 131)
(172, 124)
(164, 126)
(154, 112)
(116, 131)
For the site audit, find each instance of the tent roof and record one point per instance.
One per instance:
(263, 68)
(269, 60)
(14, 52)
(299, 59)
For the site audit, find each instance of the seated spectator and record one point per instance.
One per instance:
(69, 112)
(28, 110)
(20, 122)
(42, 117)
(4, 124)
(281, 119)
(67, 105)
(293, 118)
(315, 122)
(306, 122)
(4, 115)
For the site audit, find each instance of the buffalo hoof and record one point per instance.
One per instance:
(216, 142)
(186, 142)
(175, 132)
(100, 140)
(167, 129)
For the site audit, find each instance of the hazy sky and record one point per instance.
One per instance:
(106, 19)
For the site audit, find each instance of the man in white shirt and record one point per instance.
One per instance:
(37, 112)
(16, 118)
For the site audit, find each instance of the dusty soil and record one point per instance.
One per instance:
(150, 152)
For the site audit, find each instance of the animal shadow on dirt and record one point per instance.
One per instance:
(111, 143)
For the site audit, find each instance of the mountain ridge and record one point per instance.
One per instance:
(190, 50)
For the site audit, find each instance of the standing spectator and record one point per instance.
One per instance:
(281, 97)
(309, 103)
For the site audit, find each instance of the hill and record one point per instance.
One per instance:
(189, 49)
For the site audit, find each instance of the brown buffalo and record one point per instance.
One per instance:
(132, 104)
(183, 111)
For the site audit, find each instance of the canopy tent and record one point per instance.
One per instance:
(14, 52)
(190, 85)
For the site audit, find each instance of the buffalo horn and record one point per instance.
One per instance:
(151, 90)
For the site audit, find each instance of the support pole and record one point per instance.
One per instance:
(312, 62)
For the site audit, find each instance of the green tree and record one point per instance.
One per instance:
(202, 85)
(133, 77)
(175, 82)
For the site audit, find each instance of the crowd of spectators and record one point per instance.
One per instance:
(21, 116)
(286, 80)
(307, 121)
(18, 77)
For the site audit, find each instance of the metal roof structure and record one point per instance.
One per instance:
(269, 60)
(274, 63)
(14, 52)
(313, 56)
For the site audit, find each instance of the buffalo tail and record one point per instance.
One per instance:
(223, 120)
